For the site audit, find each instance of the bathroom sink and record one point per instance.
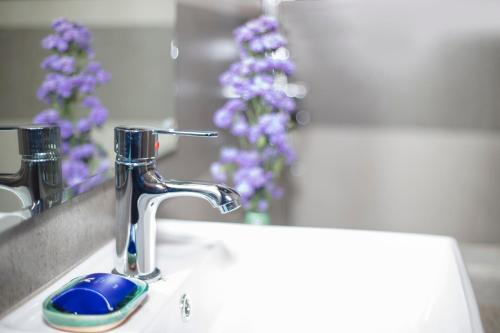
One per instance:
(242, 279)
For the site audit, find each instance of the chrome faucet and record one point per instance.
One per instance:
(140, 189)
(38, 182)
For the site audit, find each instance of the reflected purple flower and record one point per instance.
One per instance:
(82, 152)
(99, 115)
(74, 172)
(84, 125)
(55, 42)
(66, 128)
(86, 83)
(273, 41)
(65, 147)
(63, 64)
(73, 75)
(49, 117)
(91, 102)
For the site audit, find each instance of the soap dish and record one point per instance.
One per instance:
(94, 303)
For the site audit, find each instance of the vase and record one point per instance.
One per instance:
(257, 218)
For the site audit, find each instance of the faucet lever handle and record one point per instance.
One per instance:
(8, 128)
(204, 134)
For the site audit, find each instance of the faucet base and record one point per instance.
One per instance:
(151, 277)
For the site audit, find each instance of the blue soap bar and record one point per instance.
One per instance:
(97, 293)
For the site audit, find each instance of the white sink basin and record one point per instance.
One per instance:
(284, 279)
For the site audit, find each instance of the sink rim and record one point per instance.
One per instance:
(214, 231)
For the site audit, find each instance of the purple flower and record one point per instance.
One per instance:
(273, 41)
(273, 123)
(66, 83)
(248, 158)
(91, 182)
(256, 176)
(223, 118)
(269, 153)
(82, 152)
(65, 147)
(262, 83)
(269, 22)
(48, 87)
(278, 139)
(228, 154)
(65, 86)
(254, 133)
(263, 24)
(243, 34)
(256, 45)
(84, 125)
(103, 166)
(71, 32)
(49, 116)
(64, 64)
(87, 83)
(279, 100)
(286, 66)
(239, 128)
(275, 190)
(55, 42)
(99, 115)
(262, 206)
(235, 105)
(66, 128)
(94, 69)
(74, 172)
(245, 189)
(91, 102)
(253, 28)
(61, 24)
(287, 151)
(260, 116)
(218, 172)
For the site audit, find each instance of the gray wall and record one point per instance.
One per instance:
(398, 63)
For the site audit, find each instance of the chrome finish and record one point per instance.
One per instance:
(185, 305)
(38, 183)
(139, 191)
(189, 133)
(139, 144)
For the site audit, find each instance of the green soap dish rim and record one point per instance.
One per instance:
(58, 318)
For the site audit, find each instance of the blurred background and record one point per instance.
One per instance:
(399, 130)
(399, 127)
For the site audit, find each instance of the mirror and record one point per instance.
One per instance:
(120, 72)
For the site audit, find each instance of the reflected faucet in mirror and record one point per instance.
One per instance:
(140, 189)
(38, 182)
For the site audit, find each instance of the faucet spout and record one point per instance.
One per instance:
(219, 196)
(139, 191)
